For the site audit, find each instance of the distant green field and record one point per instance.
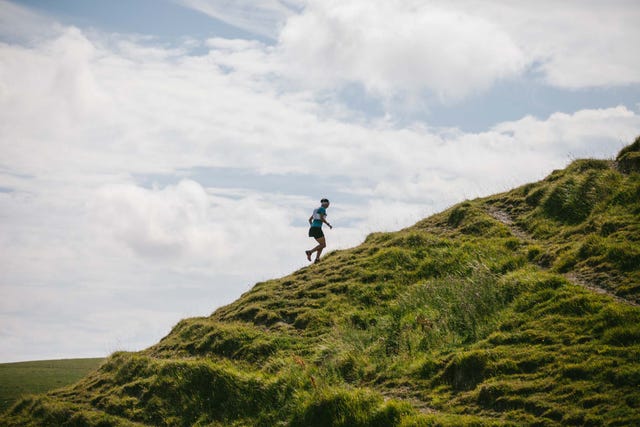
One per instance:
(18, 379)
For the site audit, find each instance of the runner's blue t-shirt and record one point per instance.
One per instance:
(317, 216)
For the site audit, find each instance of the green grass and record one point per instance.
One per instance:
(462, 319)
(24, 378)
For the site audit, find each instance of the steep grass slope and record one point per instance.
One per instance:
(516, 309)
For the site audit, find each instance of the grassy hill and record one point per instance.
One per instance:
(24, 378)
(515, 309)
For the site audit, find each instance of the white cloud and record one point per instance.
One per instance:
(586, 133)
(454, 50)
(399, 47)
(574, 44)
(188, 225)
(404, 48)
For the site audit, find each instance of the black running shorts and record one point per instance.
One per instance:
(315, 232)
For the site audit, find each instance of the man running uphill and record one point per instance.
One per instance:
(316, 220)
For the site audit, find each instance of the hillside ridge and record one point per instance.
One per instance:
(518, 308)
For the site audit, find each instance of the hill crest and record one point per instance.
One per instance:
(515, 309)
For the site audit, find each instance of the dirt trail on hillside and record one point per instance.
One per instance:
(507, 220)
(408, 395)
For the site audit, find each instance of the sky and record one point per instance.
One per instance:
(160, 157)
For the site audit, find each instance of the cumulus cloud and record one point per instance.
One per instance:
(397, 48)
(187, 224)
(573, 44)
(159, 224)
(454, 50)
(394, 47)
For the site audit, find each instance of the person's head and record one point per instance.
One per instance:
(324, 203)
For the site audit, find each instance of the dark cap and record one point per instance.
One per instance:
(324, 201)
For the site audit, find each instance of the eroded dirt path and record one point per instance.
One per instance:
(507, 220)
(406, 394)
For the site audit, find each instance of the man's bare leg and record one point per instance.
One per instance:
(321, 245)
